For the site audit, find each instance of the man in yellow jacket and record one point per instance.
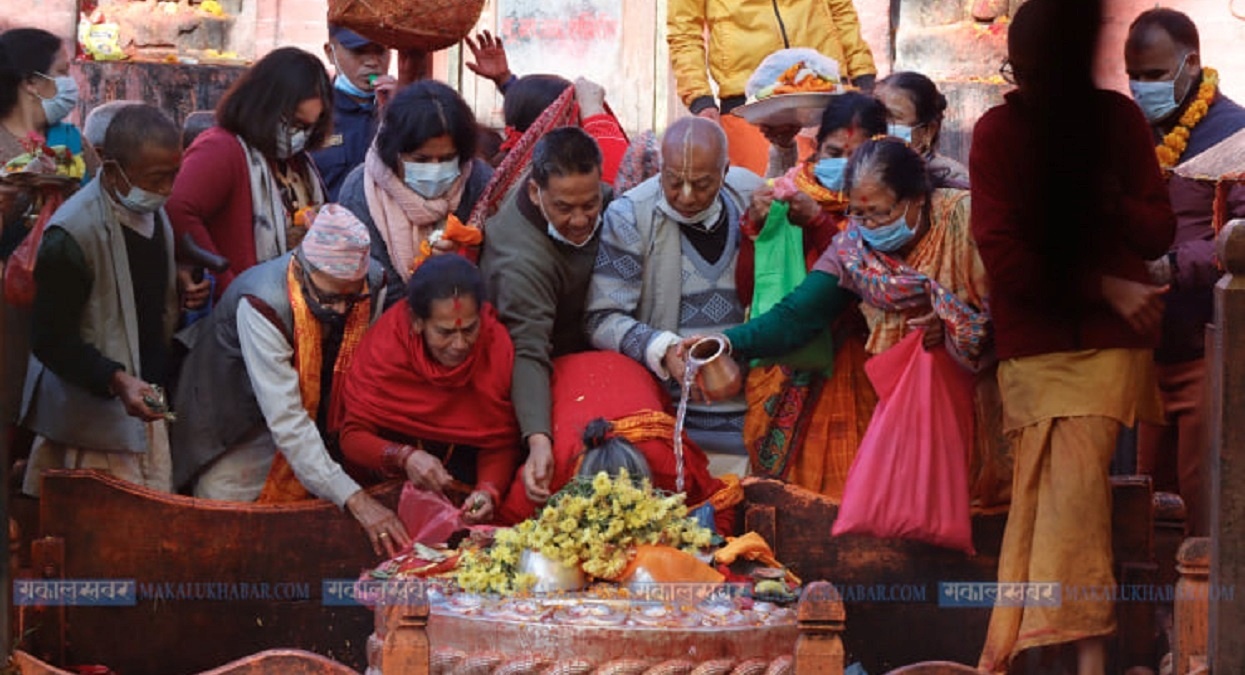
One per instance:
(741, 34)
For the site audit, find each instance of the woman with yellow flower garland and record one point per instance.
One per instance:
(1188, 115)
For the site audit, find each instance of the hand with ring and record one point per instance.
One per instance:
(384, 529)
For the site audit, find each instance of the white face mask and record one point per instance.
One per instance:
(62, 103)
(430, 179)
(290, 141)
(137, 199)
(706, 219)
(553, 231)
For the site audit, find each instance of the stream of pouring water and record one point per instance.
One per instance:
(689, 373)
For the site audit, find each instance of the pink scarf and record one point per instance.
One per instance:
(404, 218)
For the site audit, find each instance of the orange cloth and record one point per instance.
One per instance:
(746, 144)
(1063, 412)
(751, 546)
(668, 565)
(282, 485)
(830, 432)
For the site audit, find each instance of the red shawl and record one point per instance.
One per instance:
(395, 385)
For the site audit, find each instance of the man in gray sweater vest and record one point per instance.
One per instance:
(666, 267)
(104, 314)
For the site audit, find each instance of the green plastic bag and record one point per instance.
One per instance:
(779, 269)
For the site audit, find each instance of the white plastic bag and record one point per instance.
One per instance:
(766, 75)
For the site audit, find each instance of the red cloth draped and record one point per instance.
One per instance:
(396, 386)
(599, 384)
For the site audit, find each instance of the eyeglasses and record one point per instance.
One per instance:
(326, 299)
(1007, 72)
(873, 220)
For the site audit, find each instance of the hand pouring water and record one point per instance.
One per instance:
(719, 379)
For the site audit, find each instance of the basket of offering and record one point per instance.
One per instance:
(424, 25)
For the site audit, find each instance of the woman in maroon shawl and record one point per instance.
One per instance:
(428, 394)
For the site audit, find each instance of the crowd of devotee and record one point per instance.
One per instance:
(405, 294)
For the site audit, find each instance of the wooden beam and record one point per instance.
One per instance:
(1227, 567)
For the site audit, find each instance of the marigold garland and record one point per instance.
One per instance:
(1177, 140)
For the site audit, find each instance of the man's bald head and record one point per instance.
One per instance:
(694, 163)
(694, 135)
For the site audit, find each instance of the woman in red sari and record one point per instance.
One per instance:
(428, 394)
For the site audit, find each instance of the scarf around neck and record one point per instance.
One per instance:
(395, 385)
(405, 219)
(282, 484)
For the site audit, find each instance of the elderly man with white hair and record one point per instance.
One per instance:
(666, 266)
(263, 372)
(96, 125)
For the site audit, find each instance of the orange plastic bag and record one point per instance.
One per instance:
(910, 476)
(429, 517)
(19, 271)
(668, 565)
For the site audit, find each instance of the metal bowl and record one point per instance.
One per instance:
(551, 575)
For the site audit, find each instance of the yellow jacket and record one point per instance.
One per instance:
(743, 32)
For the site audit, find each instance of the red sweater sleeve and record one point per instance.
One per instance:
(211, 200)
(1015, 266)
(361, 445)
(495, 469)
(604, 128)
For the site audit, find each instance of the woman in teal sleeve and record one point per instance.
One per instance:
(909, 256)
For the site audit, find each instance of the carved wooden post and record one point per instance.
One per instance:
(1193, 599)
(819, 649)
(1227, 567)
(407, 651)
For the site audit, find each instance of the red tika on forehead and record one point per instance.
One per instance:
(458, 306)
(864, 199)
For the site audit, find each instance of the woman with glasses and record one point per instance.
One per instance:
(915, 110)
(420, 173)
(427, 398)
(909, 257)
(246, 183)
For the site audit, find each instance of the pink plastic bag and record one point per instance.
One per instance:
(910, 476)
(429, 517)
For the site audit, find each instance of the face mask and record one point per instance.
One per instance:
(290, 142)
(430, 179)
(887, 238)
(706, 220)
(344, 85)
(829, 172)
(900, 131)
(1157, 99)
(137, 199)
(553, 231)
(63, 102)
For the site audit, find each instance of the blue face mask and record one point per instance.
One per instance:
(430, 179)
(344, 85)
(1157, 100)
(829, 172)
(887, 238)
(62, 103)
(900, 131)
(137, 199)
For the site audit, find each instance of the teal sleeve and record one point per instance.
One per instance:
(793, 322)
